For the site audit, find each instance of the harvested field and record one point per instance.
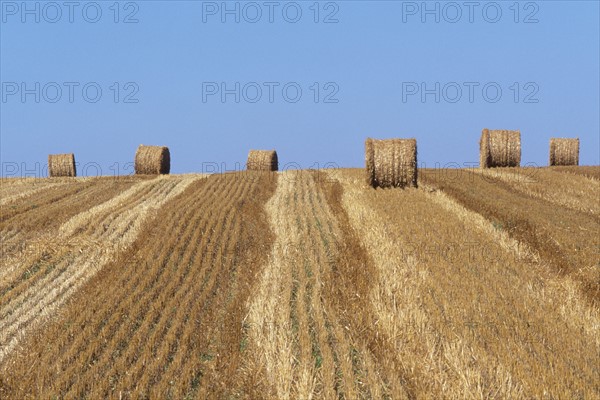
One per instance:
(26, 219)
(13, 189)
(566, 240)
(299, 343)
(40, 283)
(461, 301)
(567, 190)
(587, 171)
(302, 284)
(180, 276)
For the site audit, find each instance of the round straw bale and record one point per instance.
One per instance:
(262, 160)
(152, 160)
(370, 161)
(564, 151)
(391, 162)
(61, 165)
(499, 148)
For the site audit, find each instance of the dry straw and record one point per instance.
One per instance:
(262, 160)
(391, 162)
(564, 151)
(499, 148)
(152, 160)
(61, 165)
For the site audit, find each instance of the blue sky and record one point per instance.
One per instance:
(310, 79)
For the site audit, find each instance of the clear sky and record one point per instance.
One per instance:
(312, 80)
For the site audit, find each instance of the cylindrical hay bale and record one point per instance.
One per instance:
(564, 151)
(499, 148)
(152, 160)
(61, 165)
(262, 160)
(370, 161)
(391, 162)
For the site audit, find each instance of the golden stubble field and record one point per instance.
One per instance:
(302, 284)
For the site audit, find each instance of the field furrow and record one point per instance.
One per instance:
(297, 342)
(572, 191)
(28, 301)
(14, 189)
(12, 192)
(58, 253)
(158, 320)
(591, 172)
(469, 311)
(152, 340)
(47, 250)
(29, 224)
(567, 240)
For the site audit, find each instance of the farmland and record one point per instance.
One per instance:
(302, 284)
